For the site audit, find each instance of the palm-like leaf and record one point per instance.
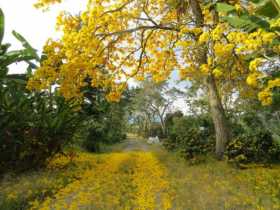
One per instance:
(26, 45)
(1, 25)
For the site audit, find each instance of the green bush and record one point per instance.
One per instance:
(191, 136)
(254, 140)
(253, 147)
(33, 127)
(106, 121)
(102, 133)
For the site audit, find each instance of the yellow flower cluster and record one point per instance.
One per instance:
(253, 79)
(265, 96)
(45, 3)
(223, 50)
(249, 43)
(275, 23)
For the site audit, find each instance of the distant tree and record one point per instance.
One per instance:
(153, 101)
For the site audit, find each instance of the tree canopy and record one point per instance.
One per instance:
(227, 46)
(113, 41)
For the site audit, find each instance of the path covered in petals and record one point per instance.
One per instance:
(132, 179)
(134, 175)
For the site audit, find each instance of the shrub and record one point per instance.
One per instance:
(100, 133)
(191, 136)
(94, 139)
(33, 127)
(106, 123)
(253, 147)
(253, 139)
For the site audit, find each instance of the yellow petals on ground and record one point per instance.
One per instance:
(133, 180)
(149, 178)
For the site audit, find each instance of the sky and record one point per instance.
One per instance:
(37, 26)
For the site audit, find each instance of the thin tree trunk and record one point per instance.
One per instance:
(162, 124)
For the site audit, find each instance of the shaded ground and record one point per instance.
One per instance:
(134, 144)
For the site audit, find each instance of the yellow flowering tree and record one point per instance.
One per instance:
(115, 40)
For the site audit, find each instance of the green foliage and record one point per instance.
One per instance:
(100, 134)
(2, 22)
(266, 10)
(106, 121)
(254, 137)
(223, 7)
(255, 147)
(192, 136)
(33, 127)
(28, 54)
(169, 119)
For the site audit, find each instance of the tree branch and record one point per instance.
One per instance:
(117, 9)
(139, 28)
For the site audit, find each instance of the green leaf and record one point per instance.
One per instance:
(275, 42)
(249, 23)
(268, 10)
(223, 7)
(259, 22)
(15, 56)
(26, 45)
(3, 72)
(19, 78)
(238, 22)
(4, 48)
(2, 25)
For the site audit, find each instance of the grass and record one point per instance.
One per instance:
(216, 185)
(135, 179)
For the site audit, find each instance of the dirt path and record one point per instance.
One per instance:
(129, 176)
(134, 144)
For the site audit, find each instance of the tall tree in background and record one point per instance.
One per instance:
(113, 41)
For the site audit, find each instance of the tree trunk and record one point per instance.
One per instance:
(222, 129)
(162, 124)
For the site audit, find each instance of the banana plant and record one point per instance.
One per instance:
(1, 26)
(28, 54)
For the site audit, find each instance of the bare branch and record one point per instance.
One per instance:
(117, 9)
